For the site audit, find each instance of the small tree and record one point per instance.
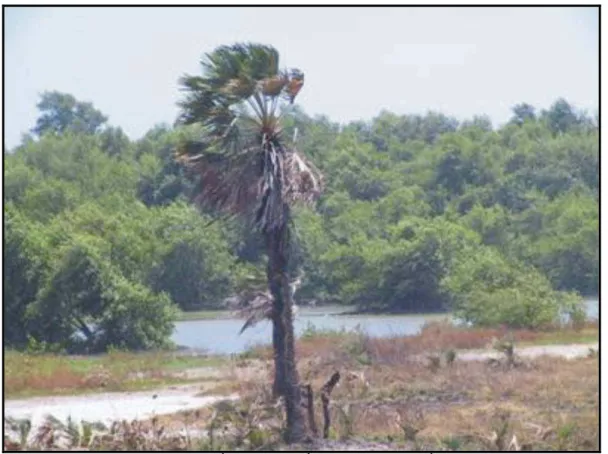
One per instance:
(245, 167)
(61, 112)
(521, 113)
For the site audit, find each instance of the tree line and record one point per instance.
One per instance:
(420, 213)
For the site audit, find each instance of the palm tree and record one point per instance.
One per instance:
(244, 166)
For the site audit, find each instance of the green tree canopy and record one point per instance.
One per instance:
(414, 205)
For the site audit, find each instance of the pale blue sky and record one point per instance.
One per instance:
(357, 61)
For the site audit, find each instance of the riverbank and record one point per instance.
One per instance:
(27, 375)
(333, 312)
(204, 315)
(223, 314)
(218, 332)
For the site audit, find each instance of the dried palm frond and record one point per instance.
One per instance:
(258, 308)
(272, 86)
(255, 304)
(229, 184)
(295, 84)
(256, 184)
(303, 182)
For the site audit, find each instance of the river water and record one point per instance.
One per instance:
(221, 336)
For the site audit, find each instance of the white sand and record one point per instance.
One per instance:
(108, 407)
(564, 351)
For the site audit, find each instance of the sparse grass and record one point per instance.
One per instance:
(587, 335)
(30, 375)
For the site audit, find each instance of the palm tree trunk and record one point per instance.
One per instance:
(278, 345)
(286, 380)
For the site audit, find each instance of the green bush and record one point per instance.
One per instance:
(489, 290)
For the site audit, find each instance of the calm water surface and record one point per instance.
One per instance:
(221, 336)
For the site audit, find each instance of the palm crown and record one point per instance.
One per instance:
(243, 163)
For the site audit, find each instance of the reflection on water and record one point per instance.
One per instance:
(221, 336)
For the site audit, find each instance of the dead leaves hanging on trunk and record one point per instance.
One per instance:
(255, 183)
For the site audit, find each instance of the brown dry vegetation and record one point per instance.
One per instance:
(464, 403)
(388, 400)
(400, 403)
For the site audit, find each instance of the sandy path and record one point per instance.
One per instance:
(108, 407)
(565, 351)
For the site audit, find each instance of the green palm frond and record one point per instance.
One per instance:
(200, 99)
(238, 88)
(224, 64)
